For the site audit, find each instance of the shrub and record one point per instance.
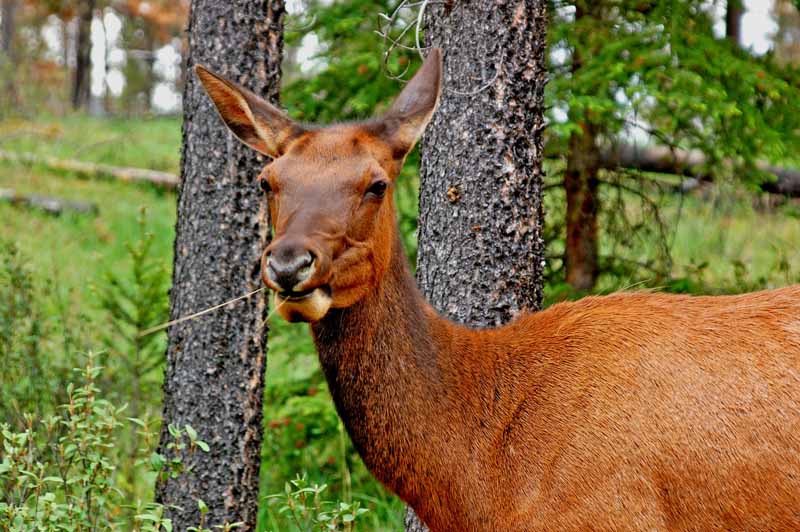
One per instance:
(30, 381)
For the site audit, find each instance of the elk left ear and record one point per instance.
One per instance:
(257, 123)
(412, 110)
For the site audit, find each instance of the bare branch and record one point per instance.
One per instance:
(386, 23)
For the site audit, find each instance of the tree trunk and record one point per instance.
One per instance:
(7, 27)
(733, 21)
(580, 184)
(580, 187)
(123, 173)
(82, 80)
(215, 364)
(481, 253)
(150, 70)
(66, 44)
(7, 55)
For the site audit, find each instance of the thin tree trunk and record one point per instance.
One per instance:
(66, 56)
(7, 27)
(81, 81)
(123, 173)
(215, 365)
(733, 21)
(580, 187)
(481, 253)
(107, 96)
(150, 71)
(7, 54)
(693, 163)
(580, 184)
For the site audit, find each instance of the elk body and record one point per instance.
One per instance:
(635, 411)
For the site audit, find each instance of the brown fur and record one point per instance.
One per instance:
(637, 411)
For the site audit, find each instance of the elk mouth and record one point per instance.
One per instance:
(291, 295)
(307, 305)
(296, 296)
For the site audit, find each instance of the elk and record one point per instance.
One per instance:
(633, 411)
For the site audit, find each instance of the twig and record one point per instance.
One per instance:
(391, 43)
(123, 173)
(50, 205)
(163, 326)
(303, 27)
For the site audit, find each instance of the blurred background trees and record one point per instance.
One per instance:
(106, 56)
(656, 74)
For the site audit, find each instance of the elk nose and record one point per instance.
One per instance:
(288, 267)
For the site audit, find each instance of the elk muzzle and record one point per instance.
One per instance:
(292, 270)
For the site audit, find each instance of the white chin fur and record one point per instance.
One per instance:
(313, 307)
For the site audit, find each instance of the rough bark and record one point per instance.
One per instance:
(733, 21)
(81, 81)
(215, 365)
(481, 253)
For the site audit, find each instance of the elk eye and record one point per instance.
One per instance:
(377, 189)
(264, 184)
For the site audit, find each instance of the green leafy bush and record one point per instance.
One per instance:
(59, 472)
(31, 381)
(62, 472)
(303, 503)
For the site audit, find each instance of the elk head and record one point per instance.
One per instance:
(329, 190)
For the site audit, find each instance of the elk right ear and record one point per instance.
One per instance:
(257, 123)
(412, 110)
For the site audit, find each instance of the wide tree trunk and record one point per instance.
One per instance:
(215, 364)
(481, 254)
(82, 81)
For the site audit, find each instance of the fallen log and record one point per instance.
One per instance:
(50, 205)
(691, 163)
(123, 173)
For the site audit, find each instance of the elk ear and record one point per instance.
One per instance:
(257, 123)
(412, 110)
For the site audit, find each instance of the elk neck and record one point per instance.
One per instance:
(391, 362)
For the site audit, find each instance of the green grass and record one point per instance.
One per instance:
(738, 243)
(721, 242)
(152, 143)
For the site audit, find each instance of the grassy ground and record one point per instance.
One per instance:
(142, 142)
(721, 242)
